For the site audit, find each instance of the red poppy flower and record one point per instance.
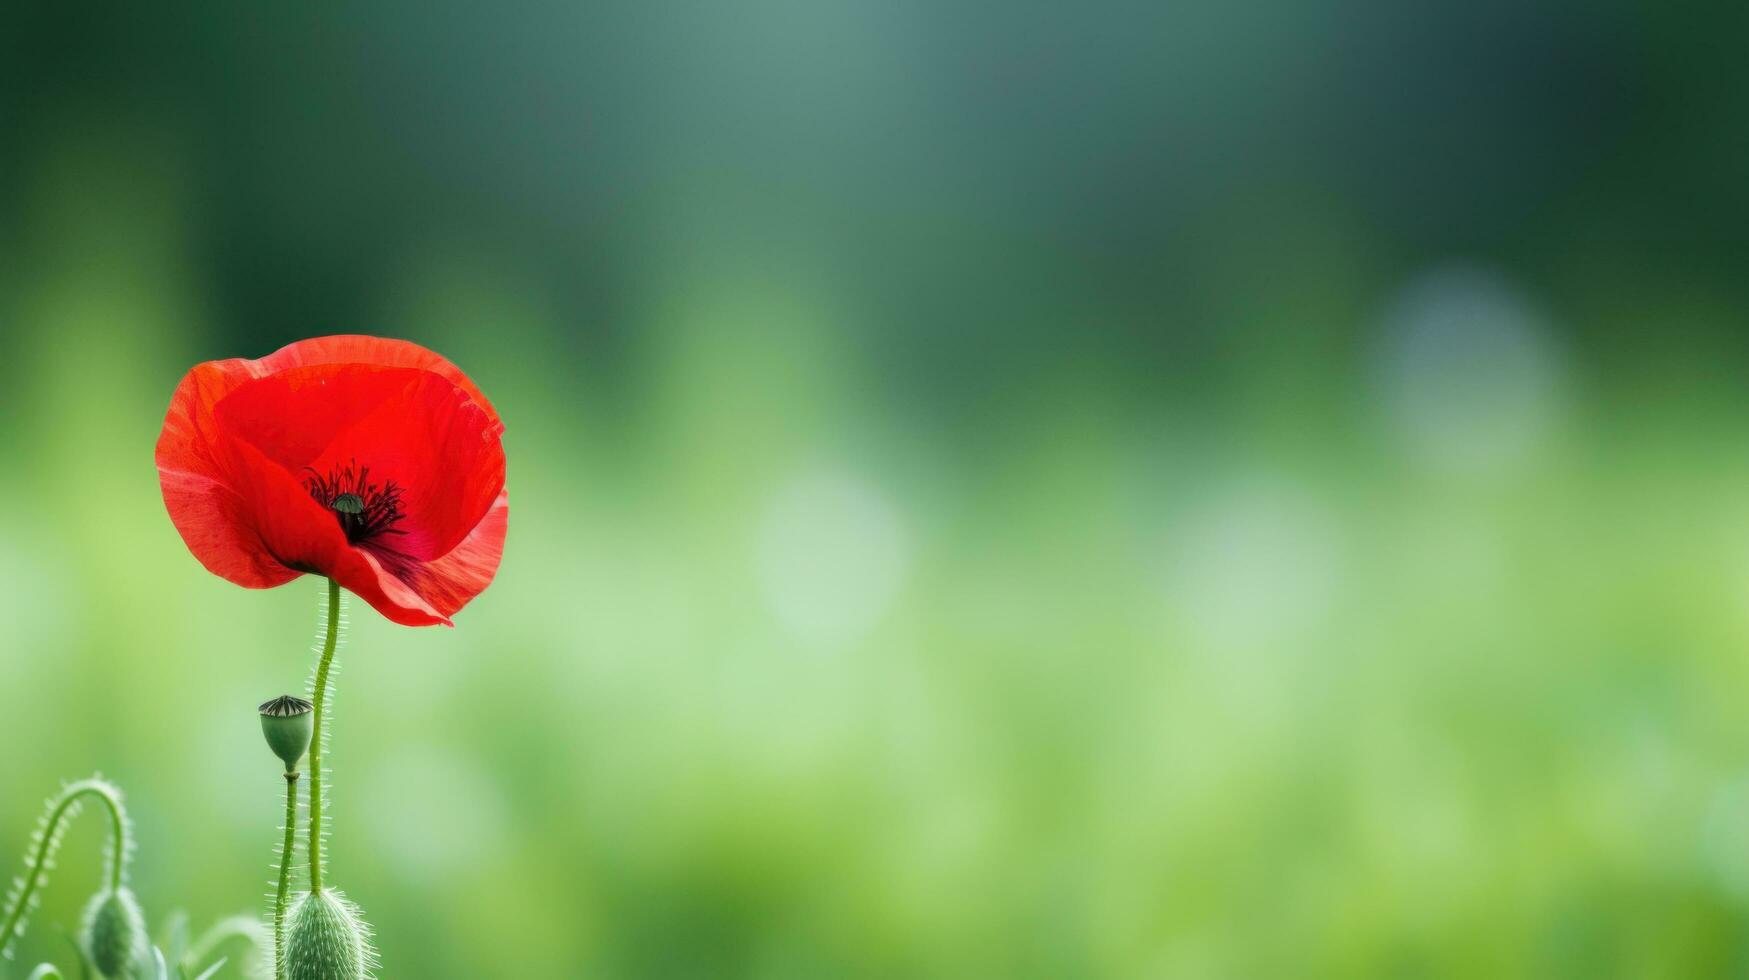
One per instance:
(374, 462)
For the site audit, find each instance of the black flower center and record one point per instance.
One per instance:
(364, 509)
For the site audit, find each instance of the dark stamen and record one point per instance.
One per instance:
(364, 509)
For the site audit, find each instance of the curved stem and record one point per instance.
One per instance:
(118, 835)
(320, 698)
(49, 837)
(285, 862)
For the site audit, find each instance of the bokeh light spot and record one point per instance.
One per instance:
(831, 556)
(1471, 378)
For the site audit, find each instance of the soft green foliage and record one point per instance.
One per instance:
(113, 941)
(58, 813)
(114, 933)
(1156, 616)
(327, 939)
(206, 973)
(256, 939)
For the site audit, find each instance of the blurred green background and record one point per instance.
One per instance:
(1178, 490)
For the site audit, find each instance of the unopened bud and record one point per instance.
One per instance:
(326, 939)
(115, 932)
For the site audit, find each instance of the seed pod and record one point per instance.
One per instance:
(115, 932)
(326, 939)
(287, 724)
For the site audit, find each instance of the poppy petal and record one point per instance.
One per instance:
(214, 524)
(296, 530)
(376, 351)
(303, 534)
(209, 514)
(407, 426)
(295, 415)
(450, 582)
(443, 453)
(365, 576)
(241, 437)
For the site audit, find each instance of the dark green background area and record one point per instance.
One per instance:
(1155, 490)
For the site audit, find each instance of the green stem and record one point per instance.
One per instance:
(320, 700)
(49, 837)
(285, 862)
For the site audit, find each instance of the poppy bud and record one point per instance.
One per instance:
(326, 939)
(287, 724)
(115, 932)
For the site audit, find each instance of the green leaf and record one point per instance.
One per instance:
(176, 936)
(79, 952)
(257, 956)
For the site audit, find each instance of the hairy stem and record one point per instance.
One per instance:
(61, 809)
(285, 863)
(320, 699)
